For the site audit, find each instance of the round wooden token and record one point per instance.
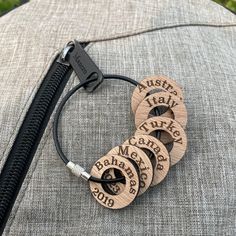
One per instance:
(173, 128)
(159, 151)
(163, 99)
(153, 83)
(141, 159)
(130, 173)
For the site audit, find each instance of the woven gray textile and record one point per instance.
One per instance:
(193, 42)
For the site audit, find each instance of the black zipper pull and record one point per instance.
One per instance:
(74, 54)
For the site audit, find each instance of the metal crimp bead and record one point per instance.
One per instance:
(78, 171)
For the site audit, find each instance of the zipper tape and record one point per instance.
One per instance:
(29, 136)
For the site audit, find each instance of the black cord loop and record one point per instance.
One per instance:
(58, 113)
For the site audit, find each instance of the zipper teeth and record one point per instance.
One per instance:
(10, 178)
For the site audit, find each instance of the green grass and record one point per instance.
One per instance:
(230, 4)
(7, 5)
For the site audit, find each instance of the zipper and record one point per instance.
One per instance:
(34, 125)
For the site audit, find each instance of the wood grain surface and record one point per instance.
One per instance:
(173, 128)
(161, 163)
(161, 99)
(160, 83)
(130, 173)
(143, 163)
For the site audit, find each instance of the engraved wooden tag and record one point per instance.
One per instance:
(130, 173)
(161, 99)
(141, 159)
(152, 83)
(159, 151)
(173, 128)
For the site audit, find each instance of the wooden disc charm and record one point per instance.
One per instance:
(164, 99)
(130, 173)
(159, 151)
(173, 128)
(154, 83)
(141, 159)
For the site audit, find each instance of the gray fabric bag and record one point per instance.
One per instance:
(193, 42)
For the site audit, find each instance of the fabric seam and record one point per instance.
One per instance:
(144, 30)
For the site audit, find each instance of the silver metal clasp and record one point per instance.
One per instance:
(78, 171)
(62, 57)
(66, 49)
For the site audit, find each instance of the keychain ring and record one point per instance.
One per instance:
(128, 170)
